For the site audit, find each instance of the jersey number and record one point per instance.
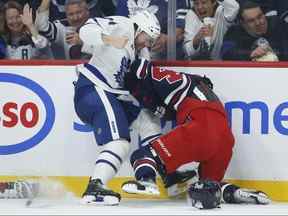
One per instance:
(159, 74)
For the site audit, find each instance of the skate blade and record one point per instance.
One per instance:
(261, 198)
(106, 200)
(133, 188)
(180, 189)
(264, 200)
(253, 197)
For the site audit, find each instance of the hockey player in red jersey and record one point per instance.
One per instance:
(202, 133)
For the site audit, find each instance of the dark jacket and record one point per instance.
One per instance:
(2, 48)
(238, 44)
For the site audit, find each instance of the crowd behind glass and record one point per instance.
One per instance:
(249, 30)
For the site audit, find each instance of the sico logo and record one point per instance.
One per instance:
(278, 115)
(25, 115)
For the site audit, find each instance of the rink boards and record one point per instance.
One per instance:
(42, 136)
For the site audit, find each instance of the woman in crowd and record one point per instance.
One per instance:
(20, 34)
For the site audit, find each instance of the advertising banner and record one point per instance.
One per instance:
(42, 135)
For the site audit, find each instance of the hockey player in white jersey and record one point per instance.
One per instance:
(113, 42)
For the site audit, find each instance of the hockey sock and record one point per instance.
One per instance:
(110, 160)
(143, 164)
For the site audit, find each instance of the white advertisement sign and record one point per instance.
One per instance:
(42, 135)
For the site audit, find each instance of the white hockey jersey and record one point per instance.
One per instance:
(29, 48)
(111, 62)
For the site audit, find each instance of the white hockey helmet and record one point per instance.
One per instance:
(147, 22)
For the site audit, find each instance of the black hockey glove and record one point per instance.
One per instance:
(198, 79)
(144, 94)
(207, 82)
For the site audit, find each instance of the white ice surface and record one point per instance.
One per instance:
(71, 206)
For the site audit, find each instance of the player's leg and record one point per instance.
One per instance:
(105, 114)
(232, 193)
(146, 164)
(145, 170)
(185, 143)
(215, 168)
(149, 127)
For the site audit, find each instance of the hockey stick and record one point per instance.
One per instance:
(118, 42)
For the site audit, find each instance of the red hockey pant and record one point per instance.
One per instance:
(202, 135)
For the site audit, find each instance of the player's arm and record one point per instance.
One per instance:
(95, 37)
(44, 6)
(27, 19)
(53, 31)
(91, 34)
(192, 36)
(118, 42)
(231, 8)
(139, 84)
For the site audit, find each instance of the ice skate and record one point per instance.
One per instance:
(146, 187)
(178, 182)
(96, 193)
(243, 195)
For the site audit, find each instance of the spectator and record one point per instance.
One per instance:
(266, 5)
(2, 42)
(204, 40)
(20, 34)
(32, 3)
(272, 7)
(97, 8)
(2, 48)
(160, 9)
(245, 41)
(63, 34)
(282, 9)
